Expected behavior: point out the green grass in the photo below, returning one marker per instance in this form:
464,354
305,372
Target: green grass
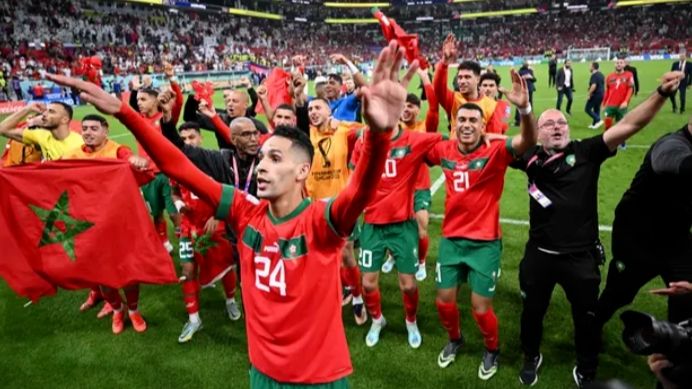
52,345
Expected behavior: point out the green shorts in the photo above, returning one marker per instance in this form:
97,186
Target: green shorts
400,239
157,195
461,260
357,230
422,199
259,380
614,112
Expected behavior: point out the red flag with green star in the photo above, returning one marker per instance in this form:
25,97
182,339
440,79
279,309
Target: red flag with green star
74,224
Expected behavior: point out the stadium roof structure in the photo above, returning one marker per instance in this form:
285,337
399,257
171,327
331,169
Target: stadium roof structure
358,12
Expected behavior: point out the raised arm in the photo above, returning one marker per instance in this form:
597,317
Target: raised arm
263,96
358,77
219,126
8,127
383,103
432,117
166,156
135,83
445,97
519,96
169,72
641,115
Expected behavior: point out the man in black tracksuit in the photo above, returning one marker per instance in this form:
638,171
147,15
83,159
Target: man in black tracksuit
563,246
651,230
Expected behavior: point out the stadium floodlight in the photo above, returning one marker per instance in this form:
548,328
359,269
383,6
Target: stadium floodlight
519,11
159,2
646,2
465,1
350,21
254,14
356,5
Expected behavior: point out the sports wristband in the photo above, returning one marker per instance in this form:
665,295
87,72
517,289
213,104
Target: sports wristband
524,111
353,68
665,94
179,204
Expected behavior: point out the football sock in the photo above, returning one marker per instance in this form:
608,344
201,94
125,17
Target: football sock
411,305
373,303
487,323
191,296
449,316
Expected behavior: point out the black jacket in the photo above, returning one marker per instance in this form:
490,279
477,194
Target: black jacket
560,79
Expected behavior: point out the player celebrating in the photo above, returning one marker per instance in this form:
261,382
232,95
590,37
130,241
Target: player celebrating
97,145
390,227
470,248
619,90
329,175
291,247
468,75
489,87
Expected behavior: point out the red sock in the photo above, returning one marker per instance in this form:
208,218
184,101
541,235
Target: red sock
132,296
229,282
162,229
487,323
608,123
373,303
449,316
423,249
354,280
112,297
411,305
191,296
345,280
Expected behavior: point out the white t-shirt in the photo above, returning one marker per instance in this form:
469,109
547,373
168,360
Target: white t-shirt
568,77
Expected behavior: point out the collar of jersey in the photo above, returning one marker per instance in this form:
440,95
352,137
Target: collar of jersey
401,132
473,150
300,208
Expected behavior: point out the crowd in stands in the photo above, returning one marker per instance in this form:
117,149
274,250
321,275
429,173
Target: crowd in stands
51,35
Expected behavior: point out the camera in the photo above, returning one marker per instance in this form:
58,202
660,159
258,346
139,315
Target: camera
644,335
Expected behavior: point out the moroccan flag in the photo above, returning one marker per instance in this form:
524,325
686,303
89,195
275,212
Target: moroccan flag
74,224
409,42
277,89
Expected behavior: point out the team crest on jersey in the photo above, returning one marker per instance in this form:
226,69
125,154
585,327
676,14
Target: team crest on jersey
570,159
477,164
399,152
294,247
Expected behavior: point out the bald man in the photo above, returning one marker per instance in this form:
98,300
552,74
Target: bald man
563,246
236,104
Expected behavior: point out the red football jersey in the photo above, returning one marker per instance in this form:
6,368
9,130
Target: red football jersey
197,212
474,185
423,179
393,201
619,88
291,288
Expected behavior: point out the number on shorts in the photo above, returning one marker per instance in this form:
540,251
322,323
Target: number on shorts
366,258
461,181
438,273
277,278
390,168
185,250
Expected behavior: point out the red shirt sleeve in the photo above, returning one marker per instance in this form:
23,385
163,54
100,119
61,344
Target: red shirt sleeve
362,185
169,158
444,96
178,106
143,177
432,118
221,128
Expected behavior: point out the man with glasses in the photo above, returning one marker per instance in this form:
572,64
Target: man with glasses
563,246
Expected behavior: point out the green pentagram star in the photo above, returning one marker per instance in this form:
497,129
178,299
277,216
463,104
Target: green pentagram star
59,217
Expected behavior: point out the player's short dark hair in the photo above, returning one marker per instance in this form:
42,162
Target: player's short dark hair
491,76
413,99
335,77
320,99
150,91
595,65
96,118
189,126
299,139
473,66
287,107
67,107
473,107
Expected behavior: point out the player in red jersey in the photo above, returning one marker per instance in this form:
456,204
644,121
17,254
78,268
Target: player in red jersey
422,198
489,87
470,248
390,227
290,247
467,79
619,90
206,255
157,193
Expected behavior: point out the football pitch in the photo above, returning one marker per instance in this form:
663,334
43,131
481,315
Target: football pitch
52,345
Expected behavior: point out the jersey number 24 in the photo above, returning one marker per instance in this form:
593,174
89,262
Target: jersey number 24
267,278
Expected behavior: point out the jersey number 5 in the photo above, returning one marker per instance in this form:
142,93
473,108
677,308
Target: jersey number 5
277,278
461,181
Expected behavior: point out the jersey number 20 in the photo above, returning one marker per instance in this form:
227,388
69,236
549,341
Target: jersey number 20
277,278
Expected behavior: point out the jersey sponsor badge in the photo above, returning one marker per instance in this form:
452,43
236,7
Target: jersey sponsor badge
537,195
